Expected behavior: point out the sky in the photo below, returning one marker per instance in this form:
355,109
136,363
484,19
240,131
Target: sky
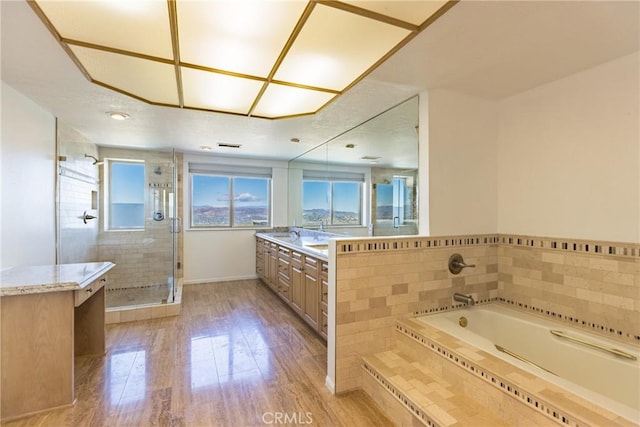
345,196
127,182
214,191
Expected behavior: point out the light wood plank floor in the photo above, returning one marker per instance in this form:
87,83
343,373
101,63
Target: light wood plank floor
236,357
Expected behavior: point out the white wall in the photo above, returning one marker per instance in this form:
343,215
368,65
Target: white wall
217,255
462,161
28,182
569,156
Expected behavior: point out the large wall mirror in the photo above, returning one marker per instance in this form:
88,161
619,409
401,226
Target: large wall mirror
363,181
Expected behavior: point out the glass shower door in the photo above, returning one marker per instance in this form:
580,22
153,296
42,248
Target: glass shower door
93,192
395,207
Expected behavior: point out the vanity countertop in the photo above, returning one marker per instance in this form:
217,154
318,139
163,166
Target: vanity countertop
313,246
50,278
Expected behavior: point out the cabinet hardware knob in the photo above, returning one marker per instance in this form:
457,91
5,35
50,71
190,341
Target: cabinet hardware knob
89,290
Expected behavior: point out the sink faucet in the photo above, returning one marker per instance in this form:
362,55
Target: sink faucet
295,232
321,225
467,299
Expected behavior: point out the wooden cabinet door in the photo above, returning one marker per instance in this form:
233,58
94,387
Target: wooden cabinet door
273,267
296,290
311,291
324,298
260,257
284,272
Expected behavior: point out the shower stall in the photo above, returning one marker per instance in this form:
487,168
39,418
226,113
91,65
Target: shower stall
120,205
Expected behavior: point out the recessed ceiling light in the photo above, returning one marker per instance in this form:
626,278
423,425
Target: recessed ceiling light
205,148
116,115
295,140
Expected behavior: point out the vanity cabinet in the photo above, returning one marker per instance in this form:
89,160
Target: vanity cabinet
298,278
50,315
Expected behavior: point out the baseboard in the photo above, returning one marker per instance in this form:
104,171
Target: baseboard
328,382
219,279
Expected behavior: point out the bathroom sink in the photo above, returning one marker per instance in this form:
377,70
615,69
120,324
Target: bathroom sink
318,246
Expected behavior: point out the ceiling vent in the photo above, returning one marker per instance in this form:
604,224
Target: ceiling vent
226,145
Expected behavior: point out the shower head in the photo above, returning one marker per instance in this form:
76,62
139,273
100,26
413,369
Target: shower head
95,161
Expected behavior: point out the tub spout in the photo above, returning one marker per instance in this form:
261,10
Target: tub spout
467,299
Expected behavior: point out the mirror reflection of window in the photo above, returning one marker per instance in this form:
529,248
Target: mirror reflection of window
384,151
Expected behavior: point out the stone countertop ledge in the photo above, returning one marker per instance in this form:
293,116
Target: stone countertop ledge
50,278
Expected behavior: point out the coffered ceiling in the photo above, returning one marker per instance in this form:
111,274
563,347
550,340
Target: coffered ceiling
488,49
269,59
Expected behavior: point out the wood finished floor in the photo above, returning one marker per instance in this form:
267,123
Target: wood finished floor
237,356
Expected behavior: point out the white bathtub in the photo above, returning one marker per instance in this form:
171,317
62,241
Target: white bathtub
607,380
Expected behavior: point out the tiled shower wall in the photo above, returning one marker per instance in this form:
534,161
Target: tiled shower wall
142,257
78,192
593,285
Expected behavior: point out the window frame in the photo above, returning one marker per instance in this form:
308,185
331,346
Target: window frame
332,211
225,172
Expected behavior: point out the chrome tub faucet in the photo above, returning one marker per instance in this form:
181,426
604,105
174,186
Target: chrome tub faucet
467,299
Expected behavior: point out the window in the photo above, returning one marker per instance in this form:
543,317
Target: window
332,201
126,195
230,196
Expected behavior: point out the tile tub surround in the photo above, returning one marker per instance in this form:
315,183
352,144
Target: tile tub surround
381,280
591,284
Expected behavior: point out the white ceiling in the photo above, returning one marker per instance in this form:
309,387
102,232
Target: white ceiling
486,49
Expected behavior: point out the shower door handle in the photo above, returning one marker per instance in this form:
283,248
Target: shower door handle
175,225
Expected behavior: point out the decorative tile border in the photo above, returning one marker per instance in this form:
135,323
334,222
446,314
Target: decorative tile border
409,243
539,311
571,319
591,247
434,310
400,396
109,289
489,377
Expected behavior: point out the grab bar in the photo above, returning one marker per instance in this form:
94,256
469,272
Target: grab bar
522,359
593,345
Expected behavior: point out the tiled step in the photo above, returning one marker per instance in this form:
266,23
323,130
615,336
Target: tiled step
428,397
510,392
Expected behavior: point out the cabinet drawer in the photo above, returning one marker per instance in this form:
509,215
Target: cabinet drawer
81,295
283,252
311,262
283,267
324,269
296,256
324,297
